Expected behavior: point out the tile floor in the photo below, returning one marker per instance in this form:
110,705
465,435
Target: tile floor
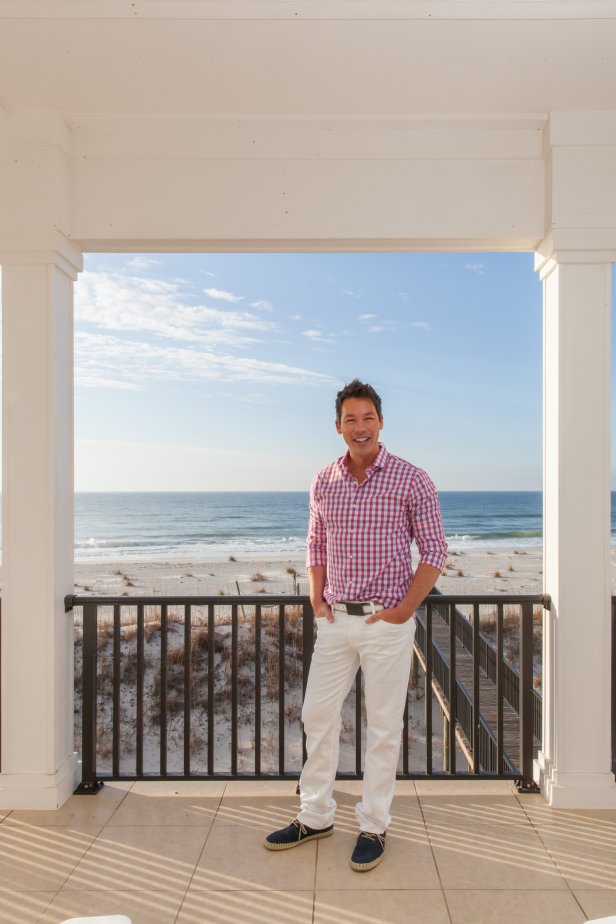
191,853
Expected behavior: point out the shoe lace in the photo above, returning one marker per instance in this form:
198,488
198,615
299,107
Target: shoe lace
300,827
374,837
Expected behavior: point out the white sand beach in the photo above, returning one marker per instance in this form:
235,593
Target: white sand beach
506,571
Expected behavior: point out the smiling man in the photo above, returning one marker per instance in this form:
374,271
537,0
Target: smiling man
365,510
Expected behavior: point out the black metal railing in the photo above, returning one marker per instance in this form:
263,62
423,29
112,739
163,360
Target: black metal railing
614,685
472,677
211,687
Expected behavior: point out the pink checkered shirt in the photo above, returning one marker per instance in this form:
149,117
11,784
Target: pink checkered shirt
362,533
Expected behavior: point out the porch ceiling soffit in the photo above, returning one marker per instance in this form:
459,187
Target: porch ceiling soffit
328,67
294,137
306,138
309,9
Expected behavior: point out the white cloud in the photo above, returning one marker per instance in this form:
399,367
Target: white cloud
141,264
207,273
366,317
478,268
120,302
262,305
316,336
404,296
296,317
224,296
375,329
352,293
423,325
132,331
103,359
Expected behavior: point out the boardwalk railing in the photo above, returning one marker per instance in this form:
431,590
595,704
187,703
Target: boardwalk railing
471,676
212,687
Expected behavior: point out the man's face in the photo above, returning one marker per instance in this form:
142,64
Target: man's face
359,426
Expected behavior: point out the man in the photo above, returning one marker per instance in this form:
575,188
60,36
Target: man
365,509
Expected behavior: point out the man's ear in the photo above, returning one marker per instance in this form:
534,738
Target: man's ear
338,427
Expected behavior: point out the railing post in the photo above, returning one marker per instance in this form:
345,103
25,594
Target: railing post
526,784
89,785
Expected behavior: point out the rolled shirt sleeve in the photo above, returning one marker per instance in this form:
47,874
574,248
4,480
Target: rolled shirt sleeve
316,542
426,522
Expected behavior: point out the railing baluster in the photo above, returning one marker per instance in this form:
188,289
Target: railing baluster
358,723
211,730
500,744
428,691
258,625
452,690
187,686
115,737
405,738
163,689
476,705
281,691
140,677
307,649
234,729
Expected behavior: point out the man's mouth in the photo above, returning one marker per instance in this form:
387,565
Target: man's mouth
362,439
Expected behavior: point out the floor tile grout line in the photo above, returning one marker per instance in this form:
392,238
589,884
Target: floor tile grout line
438,872
207,836
550,854
48,906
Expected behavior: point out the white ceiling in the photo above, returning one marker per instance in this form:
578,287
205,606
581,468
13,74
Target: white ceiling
58,57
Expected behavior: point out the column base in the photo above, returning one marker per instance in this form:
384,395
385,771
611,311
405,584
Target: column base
39,790
579,790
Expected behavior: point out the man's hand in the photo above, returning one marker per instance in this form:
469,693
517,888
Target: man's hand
322,610
395,614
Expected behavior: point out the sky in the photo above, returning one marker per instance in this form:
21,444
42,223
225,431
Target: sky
219,371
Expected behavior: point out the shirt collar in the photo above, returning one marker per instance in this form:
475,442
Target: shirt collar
379,462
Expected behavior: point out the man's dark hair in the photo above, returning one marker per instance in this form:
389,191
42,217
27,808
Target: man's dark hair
357,389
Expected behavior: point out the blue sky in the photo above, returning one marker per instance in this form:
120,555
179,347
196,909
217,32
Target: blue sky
219,371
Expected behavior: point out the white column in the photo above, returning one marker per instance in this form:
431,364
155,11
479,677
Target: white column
38,764
574,765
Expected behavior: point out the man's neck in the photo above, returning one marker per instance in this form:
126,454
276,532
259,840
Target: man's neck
359,467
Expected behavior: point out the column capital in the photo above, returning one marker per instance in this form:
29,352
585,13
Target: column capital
48,247
575,245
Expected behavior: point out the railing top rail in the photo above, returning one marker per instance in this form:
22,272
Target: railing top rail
72,600
544,599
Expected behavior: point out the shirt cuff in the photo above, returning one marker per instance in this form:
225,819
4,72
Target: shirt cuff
316,558
434,557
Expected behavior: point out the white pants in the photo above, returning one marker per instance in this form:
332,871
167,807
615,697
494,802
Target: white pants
383,650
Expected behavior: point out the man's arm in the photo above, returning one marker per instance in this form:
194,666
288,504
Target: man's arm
426,526
424,580
316,557
316,580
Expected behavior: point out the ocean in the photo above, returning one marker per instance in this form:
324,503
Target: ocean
213,525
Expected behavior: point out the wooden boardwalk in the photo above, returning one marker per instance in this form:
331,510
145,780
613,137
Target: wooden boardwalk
488,695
